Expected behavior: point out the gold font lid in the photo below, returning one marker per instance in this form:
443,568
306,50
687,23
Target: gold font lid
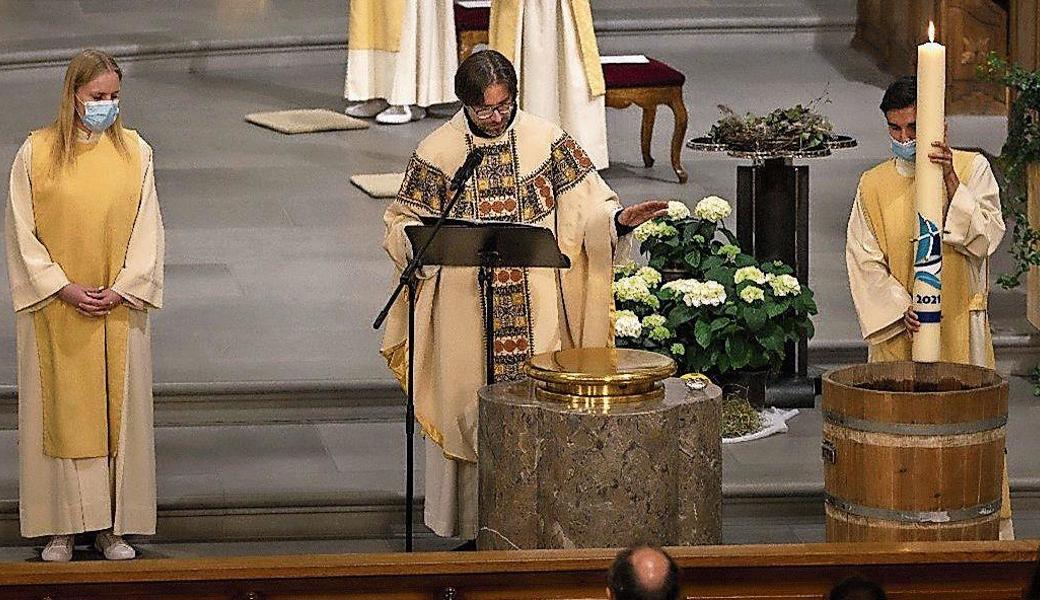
600,371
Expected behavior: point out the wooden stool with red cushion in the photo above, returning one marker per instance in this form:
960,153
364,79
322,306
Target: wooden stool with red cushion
647,85
650,85
471,29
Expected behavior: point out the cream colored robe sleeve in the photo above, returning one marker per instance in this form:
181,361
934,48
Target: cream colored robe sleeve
33,276
587,235
879,297
140,281
397,218
974,224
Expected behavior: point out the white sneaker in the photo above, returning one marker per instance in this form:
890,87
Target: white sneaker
113,546
399,115
366,109
58,549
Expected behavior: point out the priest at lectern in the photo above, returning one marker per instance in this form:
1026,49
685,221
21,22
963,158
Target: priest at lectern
533,173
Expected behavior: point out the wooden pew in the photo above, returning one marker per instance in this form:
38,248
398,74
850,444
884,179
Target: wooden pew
936,571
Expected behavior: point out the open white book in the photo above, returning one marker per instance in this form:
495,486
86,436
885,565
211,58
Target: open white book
624,59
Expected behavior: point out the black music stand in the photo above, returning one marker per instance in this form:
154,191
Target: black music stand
487,246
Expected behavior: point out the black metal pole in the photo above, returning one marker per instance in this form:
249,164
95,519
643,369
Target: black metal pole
409,424
487,284
409,273
409,278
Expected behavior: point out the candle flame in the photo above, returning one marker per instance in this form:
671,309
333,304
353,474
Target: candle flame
931,31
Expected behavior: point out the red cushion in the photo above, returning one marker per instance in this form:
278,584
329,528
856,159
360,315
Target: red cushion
472,19
652,74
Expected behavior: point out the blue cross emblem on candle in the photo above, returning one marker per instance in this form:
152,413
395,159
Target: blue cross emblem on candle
928,261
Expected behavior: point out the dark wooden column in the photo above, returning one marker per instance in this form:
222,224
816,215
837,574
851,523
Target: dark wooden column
773,224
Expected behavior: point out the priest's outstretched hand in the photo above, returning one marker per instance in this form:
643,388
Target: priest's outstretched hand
637,214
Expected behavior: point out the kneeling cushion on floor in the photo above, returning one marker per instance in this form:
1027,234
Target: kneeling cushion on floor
379,185
309,120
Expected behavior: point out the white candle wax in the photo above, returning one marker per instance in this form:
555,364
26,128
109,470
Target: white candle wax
930,196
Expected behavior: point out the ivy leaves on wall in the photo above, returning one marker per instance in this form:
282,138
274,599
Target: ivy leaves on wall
1021,148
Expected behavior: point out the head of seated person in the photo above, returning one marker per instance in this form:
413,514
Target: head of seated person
643,573
857,588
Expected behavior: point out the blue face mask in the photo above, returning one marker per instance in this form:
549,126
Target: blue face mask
905,150
99,115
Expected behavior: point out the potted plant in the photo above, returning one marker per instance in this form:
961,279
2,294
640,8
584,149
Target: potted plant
800,128
726,314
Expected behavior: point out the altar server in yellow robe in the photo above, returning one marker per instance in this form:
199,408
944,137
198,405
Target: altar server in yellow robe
85,262
401,57
553,45
533,172
880,256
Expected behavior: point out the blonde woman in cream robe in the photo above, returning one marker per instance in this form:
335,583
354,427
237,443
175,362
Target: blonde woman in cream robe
85,253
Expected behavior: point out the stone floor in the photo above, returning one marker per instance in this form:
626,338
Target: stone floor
274,267
772,487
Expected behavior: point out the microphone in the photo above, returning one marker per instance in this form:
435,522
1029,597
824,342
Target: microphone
466,170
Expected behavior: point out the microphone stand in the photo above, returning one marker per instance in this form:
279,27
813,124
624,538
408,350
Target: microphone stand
410,279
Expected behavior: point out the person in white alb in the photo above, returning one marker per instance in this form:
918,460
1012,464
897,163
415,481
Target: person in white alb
401,58
553,47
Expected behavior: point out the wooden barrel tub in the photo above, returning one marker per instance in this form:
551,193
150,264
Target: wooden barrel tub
913,452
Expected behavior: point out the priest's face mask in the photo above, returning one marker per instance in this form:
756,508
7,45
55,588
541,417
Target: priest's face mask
494,116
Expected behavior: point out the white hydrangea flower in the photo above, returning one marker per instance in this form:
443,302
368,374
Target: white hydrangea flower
697,293
634,289
681,286
712,208
729,250
625,269
677,210
678,349
660,334
654,229
750,274
650,275
752,294
785,285
654,320
631,288
712,293
626,324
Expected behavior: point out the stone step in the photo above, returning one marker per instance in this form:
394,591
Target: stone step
346,481
258,403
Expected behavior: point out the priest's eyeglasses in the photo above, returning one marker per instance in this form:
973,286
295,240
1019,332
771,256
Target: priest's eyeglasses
485,112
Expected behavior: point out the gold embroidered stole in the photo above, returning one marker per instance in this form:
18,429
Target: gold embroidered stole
375,25
84,217
493,195
506,16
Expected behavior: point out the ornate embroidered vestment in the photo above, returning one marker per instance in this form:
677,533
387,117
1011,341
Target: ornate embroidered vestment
534,174
498,192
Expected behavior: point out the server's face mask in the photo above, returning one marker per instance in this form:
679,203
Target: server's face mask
905,150
98,115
